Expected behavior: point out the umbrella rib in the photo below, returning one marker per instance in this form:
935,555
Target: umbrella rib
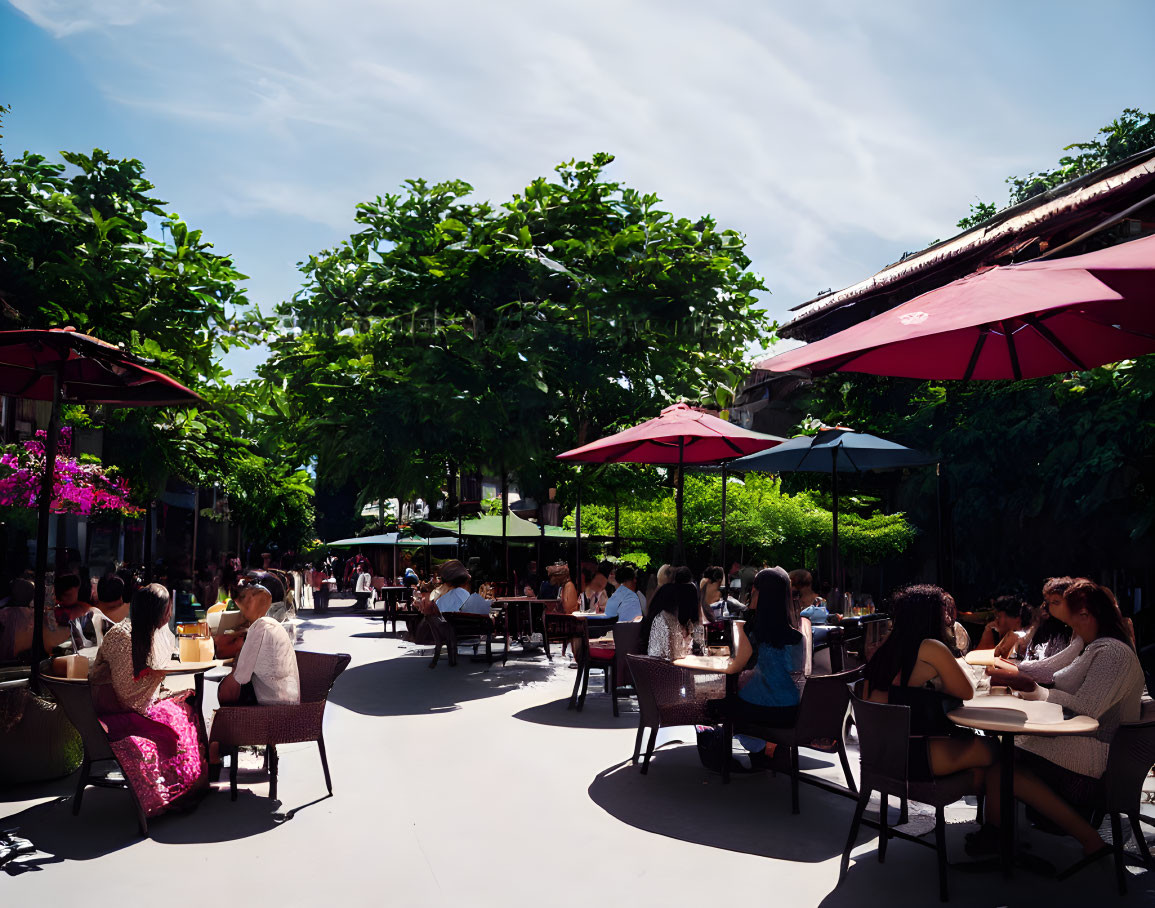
1049,336
983,332
1016,371
733,447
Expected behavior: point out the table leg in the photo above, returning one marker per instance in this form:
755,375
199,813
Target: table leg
1007,802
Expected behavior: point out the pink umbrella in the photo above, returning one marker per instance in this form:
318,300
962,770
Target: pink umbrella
1014,321
680,435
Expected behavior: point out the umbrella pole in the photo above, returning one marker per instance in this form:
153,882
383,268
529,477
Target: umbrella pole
835,566
504,511
681,554
578,529
723,558
617,527
44,509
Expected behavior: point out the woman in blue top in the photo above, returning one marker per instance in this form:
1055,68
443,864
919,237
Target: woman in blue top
770,697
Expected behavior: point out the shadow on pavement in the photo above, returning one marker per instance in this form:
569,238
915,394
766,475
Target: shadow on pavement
406,686
107,823
597,713
680,799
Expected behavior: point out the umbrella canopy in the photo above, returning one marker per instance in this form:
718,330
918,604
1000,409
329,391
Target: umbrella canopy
63,366
393,539
834,451
680,435
489,526
90,371
838,449
1010,322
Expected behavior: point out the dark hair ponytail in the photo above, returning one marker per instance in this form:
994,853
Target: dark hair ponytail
147,611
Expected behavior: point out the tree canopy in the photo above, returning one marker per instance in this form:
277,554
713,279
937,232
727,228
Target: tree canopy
452,332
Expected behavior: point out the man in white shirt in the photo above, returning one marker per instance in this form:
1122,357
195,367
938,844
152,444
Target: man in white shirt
363,588
625,604
266,670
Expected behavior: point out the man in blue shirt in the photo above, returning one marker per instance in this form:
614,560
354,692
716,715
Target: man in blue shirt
625,604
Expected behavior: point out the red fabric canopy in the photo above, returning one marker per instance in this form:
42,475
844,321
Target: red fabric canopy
1015,321
91,371
680,435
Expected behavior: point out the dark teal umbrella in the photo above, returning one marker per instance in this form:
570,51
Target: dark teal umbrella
833,451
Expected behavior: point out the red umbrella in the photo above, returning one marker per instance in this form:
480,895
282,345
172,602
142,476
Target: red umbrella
680,435
1013,321
63,366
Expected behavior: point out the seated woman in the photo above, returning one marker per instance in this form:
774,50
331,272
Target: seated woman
156,739
715,604
1012,618
771,695
567,594
957,638
1098,675
915,667
672,627
593,597
1047,635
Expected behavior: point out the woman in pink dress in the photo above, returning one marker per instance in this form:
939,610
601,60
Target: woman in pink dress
156,739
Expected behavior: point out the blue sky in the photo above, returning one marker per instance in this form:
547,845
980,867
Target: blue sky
836,136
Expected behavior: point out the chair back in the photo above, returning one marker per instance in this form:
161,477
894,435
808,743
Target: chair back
822,709
1129,760
873,634
567,627
627,642
667,694
883,742
75,698
318,673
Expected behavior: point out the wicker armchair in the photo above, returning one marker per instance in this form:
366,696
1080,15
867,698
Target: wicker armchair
75,698
268,726
668,695
821,724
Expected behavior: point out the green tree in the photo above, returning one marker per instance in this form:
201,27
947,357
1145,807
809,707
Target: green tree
78,247
450,331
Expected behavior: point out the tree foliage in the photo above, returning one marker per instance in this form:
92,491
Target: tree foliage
762,521
84,242
451,331
1133,131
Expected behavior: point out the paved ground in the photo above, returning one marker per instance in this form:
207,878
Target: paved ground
475,786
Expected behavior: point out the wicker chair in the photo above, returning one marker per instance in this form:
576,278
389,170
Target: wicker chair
483,627
627,639
1129,760
821,719
668,695
75,698
884,743
268,726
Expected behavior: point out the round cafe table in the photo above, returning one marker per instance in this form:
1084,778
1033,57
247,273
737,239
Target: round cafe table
1007,716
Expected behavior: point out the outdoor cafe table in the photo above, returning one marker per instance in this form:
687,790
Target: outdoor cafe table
1008,716
519,613
392,596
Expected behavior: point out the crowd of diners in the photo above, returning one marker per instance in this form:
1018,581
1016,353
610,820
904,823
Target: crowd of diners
1075,648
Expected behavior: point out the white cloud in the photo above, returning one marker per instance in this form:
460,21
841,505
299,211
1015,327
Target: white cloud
824,131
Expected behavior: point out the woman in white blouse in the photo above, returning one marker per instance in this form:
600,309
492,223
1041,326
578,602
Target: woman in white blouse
1098,675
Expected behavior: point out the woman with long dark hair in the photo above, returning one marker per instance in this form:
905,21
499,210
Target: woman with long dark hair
771,694
156,739
916,667
1099,676
672,626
